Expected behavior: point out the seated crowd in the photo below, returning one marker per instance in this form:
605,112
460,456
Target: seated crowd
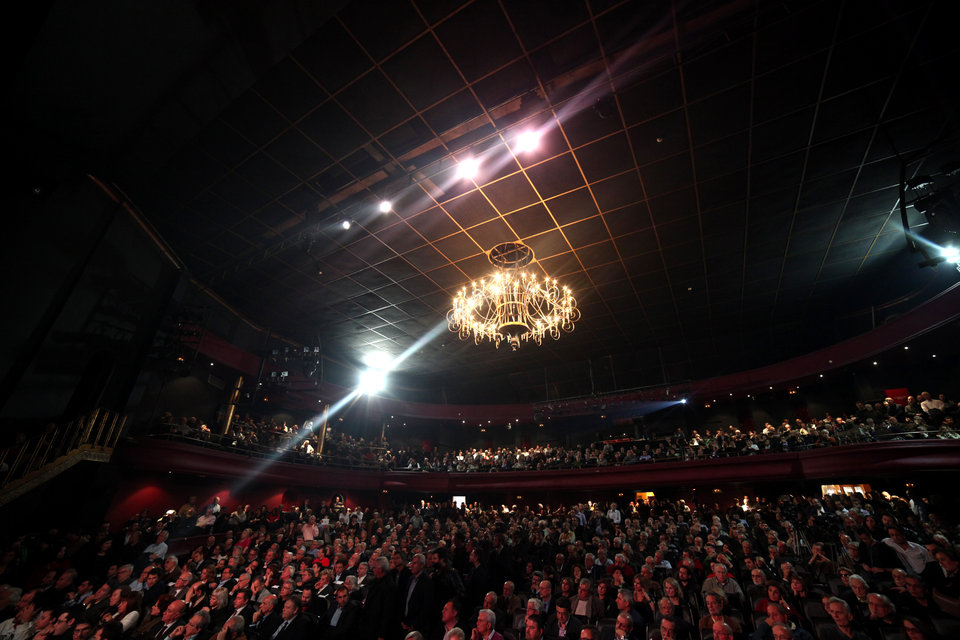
865,567
922,417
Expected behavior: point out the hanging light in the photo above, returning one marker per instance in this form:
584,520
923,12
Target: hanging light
511,305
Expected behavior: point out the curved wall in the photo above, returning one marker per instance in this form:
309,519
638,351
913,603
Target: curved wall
161,474
301,393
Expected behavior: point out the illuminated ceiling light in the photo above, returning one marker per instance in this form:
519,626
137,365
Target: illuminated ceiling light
346,224
468,168
372,381
511,305
526,141
951,254
385,206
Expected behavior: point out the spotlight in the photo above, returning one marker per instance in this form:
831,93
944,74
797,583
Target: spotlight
378,360
683,401
950,254
345,225
468,168
372,381
527,141
385,206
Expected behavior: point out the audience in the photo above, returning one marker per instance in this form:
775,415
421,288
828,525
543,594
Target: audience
676,570
867,423
866,566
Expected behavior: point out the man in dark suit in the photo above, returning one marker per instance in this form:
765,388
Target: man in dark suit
545,589
312,604
562,624
242,607
449,618
169,620
624,629
416,597
340,621
181,585
294,625
380,606
476,584
265,619
154,588
194,629
227,581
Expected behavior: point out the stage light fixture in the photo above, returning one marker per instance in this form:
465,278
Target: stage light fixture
372,381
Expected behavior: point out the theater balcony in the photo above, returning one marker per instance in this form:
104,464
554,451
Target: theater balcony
155,470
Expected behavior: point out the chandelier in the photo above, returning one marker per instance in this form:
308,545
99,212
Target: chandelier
511,305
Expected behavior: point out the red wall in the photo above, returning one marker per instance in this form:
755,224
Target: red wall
159,492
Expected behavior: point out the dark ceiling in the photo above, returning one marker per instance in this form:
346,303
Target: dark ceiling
717,180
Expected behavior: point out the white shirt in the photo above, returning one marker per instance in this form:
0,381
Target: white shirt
915,557
18,632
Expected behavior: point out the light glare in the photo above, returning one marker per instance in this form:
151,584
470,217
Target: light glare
378,360
385,206
345,224
372,381
468,168
527,141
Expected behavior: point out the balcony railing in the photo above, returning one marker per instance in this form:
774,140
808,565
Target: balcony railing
34,460
368,457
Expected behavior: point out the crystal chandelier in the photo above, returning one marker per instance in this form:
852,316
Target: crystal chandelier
511,305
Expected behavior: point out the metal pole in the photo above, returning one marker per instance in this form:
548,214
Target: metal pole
33,456
323,430
93,419
231,409
123,423
113,424
103,422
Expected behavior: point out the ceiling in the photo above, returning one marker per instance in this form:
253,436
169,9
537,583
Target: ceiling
717,181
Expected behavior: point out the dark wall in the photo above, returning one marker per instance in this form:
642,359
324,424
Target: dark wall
89,288
80,496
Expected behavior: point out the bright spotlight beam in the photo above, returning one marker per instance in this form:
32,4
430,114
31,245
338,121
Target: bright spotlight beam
340,406
372,381
268,462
